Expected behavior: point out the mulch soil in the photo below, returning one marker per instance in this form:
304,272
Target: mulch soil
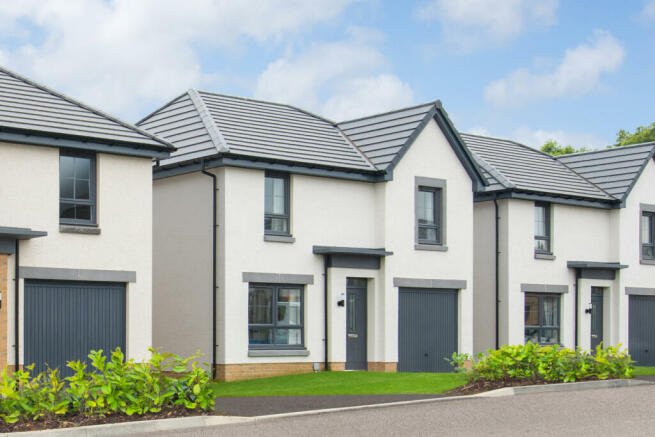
68,421
483,385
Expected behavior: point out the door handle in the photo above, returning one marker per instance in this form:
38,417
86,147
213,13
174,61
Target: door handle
594,336
353,336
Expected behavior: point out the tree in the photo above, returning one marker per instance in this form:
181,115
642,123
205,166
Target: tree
641,135
552,147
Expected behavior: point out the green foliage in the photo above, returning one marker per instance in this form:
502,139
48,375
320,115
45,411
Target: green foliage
554,148
536,363
642,134
108,387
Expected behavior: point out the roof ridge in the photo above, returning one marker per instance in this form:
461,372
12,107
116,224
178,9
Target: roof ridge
126,125
432,102
609,149
210,125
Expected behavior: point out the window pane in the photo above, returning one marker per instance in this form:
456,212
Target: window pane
82,168
531,311
260,335
66,188
276,224
83,212
288,336
549,336
540,221
532,335
67,210
429,234
66,167
550,315
352,313
356,282
648,251
260,305
275,196
288,307
426,207
82,189
646,229
541,245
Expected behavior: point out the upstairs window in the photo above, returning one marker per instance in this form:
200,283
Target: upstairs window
77,189
276,211
542,228
428,211
648,235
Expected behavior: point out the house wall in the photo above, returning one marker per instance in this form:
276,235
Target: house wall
484,277
29,191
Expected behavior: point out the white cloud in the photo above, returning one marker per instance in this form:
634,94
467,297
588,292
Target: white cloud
648,12
467,24
340,80
578,73
125,55
537,138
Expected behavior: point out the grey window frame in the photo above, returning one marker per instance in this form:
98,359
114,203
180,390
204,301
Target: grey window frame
287,204
548,238
274,325
437,186
92,202
541,325
647,211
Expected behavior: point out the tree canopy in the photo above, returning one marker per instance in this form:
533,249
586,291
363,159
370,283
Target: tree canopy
552,147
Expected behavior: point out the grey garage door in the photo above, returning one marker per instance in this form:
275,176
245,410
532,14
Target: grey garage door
642,329
427,329
66,320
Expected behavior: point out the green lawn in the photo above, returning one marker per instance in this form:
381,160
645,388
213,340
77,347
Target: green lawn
641,370
342,383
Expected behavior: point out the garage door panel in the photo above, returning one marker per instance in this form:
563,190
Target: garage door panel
65,320
427,327
642,330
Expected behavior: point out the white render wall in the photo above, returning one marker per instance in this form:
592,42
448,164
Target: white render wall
29,191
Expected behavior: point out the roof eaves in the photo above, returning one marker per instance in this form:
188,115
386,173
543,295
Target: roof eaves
210,125
164,144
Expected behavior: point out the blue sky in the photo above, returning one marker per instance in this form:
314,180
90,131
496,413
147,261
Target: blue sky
573,71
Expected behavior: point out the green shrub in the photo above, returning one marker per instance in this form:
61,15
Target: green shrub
106,387
536,363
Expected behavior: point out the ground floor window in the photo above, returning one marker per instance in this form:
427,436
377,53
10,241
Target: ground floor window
542,318
275,316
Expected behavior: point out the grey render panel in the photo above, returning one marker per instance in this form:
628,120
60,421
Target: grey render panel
58,274
641,329
643,291
354,261
615,170
420,181
595,265
544,288
337,250
203,125
508,165
598,274
20,233
26,106
65,320
277,278
7,246
430,283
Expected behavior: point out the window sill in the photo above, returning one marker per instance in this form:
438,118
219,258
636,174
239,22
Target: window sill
278,353
650,262
79,229
432,247
548,256
279,238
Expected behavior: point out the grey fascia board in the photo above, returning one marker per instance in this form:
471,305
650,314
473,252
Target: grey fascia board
254,163
483,196
278,353
329,250
60,274
642,291
595,265
277,278
279,238
20,233
458,284
544,288
42,139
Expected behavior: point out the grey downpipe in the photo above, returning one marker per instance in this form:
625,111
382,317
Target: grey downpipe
325,316
16,322
497,260
213,176
578,274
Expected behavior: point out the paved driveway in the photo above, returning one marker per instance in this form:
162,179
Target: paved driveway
628,411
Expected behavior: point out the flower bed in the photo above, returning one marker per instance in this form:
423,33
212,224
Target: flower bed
530,364
111,390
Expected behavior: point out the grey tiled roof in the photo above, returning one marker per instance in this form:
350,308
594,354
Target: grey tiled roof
510,165
614,170
382,136
28,107
203,124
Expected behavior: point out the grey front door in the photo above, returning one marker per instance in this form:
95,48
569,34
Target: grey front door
65,320
427,329
356,324
641,330
596,317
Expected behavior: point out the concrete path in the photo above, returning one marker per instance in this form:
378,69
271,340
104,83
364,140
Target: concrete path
265,405
625,411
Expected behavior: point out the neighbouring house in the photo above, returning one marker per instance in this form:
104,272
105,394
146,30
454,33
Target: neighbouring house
75,229
284,242
564,247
